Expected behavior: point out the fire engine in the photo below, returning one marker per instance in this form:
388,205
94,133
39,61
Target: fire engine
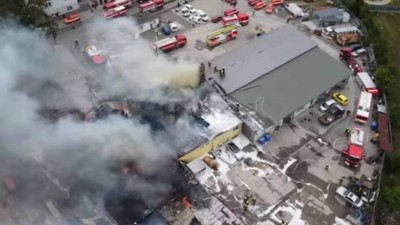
151,6
115,12
115,3
353,153
94,54
241,18
221,36
169,44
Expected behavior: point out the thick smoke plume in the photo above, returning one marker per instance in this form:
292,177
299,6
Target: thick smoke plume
79,154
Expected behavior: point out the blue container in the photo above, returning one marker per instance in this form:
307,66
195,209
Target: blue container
374,125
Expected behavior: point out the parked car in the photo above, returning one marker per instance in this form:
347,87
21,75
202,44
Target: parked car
233,2
185,12
195,19
193,11
203,15
173,27
252,2
216,19
327,105
332,115
349,197
232,147
340,98
72,18
355,47
165,29
359,52
189,7
270,8
259,5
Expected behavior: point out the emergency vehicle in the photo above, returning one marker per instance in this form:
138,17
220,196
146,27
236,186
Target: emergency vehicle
364,107
277,2
353,153
94,54
221,36
151,6
115,12
115,3
241,18
169,44
230,12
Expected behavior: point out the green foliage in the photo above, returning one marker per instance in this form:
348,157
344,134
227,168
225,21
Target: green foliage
392,197
384,78
29,13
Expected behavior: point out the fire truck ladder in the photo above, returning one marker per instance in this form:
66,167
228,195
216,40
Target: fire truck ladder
222,31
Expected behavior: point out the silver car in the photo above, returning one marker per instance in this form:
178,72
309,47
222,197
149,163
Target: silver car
349,197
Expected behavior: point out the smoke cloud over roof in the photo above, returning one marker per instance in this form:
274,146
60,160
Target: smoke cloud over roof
75,155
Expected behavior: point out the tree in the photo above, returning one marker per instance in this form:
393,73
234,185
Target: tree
392,196
384,78
29,13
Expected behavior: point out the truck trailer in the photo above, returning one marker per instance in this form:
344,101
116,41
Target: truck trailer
169,44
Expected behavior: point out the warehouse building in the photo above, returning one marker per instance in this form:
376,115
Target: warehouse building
279,75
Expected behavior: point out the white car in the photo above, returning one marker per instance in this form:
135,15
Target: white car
188,6
185,12
195,19
349,197
203,15
359,52
173,27
327,105
193,11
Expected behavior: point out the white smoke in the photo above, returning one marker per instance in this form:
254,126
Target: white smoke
32,77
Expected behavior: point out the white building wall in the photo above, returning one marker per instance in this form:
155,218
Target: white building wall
61,7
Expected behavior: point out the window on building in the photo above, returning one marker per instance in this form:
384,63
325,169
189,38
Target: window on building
237,127
69,8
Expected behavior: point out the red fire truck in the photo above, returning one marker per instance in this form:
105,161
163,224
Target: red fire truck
353,153
241,18
169,44
115,12
10,183
151,6
115,3
221,36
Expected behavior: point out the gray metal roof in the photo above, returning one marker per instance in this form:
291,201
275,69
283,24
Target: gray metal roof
328,12
261,56
293,85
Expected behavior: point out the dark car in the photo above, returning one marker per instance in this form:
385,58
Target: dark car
355,47
231,1
232,147
332,115
216,19
166,30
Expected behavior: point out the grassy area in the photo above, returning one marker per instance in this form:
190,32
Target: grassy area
390,26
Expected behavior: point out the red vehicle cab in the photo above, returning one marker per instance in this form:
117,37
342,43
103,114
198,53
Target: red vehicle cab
259,5
253,2
216,19
94,54
270,8
230,12
72,18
